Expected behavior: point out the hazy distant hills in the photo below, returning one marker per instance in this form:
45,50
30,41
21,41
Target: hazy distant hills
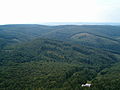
100,36
82,23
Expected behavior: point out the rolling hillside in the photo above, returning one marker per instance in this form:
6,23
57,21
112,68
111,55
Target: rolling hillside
97,41
49,64
107,34
38,57
47,49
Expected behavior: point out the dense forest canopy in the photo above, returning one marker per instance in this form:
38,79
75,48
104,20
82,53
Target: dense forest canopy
38,57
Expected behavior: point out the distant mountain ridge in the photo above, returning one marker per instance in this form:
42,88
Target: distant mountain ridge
20,33
81,23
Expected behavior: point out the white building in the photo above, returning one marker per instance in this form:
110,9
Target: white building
86,85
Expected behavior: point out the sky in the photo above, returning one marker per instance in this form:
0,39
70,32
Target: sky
42,11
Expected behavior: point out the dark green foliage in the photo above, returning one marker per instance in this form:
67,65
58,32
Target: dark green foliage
44,64
108,79
52,50
34,75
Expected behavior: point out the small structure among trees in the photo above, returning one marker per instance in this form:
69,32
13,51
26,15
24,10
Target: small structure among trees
86,85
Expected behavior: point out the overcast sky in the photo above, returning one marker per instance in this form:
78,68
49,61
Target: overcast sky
41,11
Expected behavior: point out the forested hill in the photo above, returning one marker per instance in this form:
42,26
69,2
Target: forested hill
99,36
39,57
51,65
53,50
